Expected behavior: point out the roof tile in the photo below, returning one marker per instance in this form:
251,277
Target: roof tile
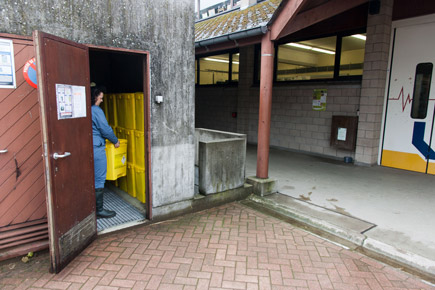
238,20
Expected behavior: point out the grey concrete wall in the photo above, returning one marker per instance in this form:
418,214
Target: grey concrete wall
213,108
166,29
294,124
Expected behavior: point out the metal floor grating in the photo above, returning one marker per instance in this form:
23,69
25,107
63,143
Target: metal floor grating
124,211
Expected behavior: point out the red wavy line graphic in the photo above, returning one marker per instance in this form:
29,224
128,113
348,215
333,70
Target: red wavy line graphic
405,101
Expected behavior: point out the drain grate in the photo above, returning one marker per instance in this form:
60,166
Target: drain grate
124,211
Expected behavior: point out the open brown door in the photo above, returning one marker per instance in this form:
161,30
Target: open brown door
64,96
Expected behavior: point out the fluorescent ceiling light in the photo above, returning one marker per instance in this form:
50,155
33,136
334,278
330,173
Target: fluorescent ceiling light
307,47
360,36
220,60
299,45
216,60
323,50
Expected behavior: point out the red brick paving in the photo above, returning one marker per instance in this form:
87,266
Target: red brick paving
229,247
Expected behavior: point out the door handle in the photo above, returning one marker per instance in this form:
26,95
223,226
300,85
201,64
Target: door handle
3,151
57,156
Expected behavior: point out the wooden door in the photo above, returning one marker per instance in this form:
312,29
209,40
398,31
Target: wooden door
64,96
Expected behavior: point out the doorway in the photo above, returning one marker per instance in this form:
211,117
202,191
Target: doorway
122,74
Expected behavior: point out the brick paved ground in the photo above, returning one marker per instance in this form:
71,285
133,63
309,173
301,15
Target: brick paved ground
229,247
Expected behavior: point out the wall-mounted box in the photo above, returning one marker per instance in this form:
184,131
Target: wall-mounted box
343,132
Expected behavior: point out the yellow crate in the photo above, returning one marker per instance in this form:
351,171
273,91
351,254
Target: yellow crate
111,113
105,107
131,180
139,150
122,183
140,183
125,111
116,160
129,135
138,100
120,133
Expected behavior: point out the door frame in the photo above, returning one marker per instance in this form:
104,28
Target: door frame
147,115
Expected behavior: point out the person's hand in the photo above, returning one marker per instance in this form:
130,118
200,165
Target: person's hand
117,144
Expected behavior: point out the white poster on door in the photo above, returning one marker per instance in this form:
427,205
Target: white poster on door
71,101
7,64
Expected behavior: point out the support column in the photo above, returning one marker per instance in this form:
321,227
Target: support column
266,86
262,184
373,84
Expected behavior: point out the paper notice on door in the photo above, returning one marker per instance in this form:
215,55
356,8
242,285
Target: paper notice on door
71,101
7,64
341,134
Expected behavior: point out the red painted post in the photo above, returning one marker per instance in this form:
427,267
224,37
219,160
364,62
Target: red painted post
266,86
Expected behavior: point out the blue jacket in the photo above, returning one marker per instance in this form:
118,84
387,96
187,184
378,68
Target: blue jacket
100,128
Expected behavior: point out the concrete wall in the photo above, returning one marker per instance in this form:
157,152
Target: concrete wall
214,107
166,29
294,124
221,159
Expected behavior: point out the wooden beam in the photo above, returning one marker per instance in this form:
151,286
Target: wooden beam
287,13
318,14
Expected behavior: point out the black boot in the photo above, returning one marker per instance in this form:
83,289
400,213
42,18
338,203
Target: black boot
101,212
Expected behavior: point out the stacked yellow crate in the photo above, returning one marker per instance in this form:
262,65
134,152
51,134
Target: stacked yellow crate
125,113
139,153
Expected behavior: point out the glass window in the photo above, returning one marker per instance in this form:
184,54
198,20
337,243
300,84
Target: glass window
214,69
306,60
235,67
420,97
352,55
196,71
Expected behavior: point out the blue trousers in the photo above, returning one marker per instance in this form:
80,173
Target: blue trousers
100,166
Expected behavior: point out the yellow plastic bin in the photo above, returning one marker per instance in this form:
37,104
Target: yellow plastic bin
126,111
122,183
139,150
116,160
120,133
131,180
138,100
131,147
140,183
111,113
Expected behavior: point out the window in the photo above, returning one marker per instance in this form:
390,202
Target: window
306,60
420,97
333,57
235,67
217,69
352,55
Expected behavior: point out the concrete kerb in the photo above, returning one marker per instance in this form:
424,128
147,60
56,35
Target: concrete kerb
410,262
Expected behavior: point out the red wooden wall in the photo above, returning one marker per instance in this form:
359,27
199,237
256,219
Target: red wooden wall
23,213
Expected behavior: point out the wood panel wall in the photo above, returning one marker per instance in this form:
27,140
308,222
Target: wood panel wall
23,212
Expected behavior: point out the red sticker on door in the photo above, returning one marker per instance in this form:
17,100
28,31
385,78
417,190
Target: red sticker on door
29,72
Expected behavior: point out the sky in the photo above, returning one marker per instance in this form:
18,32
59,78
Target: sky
207,3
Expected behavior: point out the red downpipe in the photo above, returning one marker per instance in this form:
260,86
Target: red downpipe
266,86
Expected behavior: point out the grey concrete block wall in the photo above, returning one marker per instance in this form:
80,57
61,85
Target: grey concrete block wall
164,28
223,100
373,84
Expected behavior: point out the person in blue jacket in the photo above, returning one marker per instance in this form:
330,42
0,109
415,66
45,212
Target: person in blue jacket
100,131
